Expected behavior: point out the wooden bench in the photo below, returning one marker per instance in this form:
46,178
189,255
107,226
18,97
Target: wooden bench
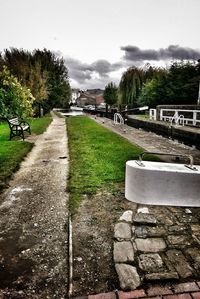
17,127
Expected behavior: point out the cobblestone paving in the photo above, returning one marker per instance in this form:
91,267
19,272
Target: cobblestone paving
157,244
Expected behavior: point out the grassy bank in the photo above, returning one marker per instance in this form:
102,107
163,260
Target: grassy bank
97,158
12,152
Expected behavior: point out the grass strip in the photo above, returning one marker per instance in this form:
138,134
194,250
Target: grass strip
11,154
97,158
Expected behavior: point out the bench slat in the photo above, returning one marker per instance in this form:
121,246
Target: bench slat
17,128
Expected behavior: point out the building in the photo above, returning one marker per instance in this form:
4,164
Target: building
75,95
89,98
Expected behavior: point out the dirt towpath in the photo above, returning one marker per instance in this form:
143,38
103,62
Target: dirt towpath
33,221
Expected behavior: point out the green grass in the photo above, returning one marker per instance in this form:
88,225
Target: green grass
142,116
12,152
97,158
38,126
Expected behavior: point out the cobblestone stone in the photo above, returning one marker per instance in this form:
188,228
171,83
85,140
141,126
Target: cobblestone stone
146,231
194,253
177,240
123,252
141,218
150,244
180,264
128,276
178,229
122,231
127,216
150,262
162,276
187,218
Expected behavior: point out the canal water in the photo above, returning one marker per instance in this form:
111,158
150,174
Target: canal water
71,112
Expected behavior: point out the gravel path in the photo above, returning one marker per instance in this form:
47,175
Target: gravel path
33,221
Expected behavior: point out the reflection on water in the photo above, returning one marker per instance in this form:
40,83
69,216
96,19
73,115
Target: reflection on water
75,111
72,113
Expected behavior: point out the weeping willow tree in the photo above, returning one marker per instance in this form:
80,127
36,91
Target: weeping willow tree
133,80
130,86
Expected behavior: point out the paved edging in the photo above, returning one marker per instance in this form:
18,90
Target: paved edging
188,290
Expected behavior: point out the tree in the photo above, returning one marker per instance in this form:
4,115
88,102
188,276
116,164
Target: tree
153,93
130,85
44,73
59,91
177,86
111,94
38,85
15,100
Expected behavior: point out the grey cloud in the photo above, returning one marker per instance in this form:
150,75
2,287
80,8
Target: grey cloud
83,71
80,76
133,53
103,67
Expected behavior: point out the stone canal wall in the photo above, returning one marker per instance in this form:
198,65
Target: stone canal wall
187,135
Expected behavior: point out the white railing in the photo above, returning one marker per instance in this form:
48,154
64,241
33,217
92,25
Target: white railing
178,120
118,119
179,116
152,114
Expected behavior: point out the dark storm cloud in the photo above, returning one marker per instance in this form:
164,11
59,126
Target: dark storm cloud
133,53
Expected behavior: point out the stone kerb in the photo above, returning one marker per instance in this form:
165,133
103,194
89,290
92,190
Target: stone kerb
148,247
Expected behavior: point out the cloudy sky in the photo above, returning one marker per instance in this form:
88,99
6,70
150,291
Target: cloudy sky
99,39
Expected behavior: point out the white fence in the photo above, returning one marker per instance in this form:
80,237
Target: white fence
180,117
152,114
